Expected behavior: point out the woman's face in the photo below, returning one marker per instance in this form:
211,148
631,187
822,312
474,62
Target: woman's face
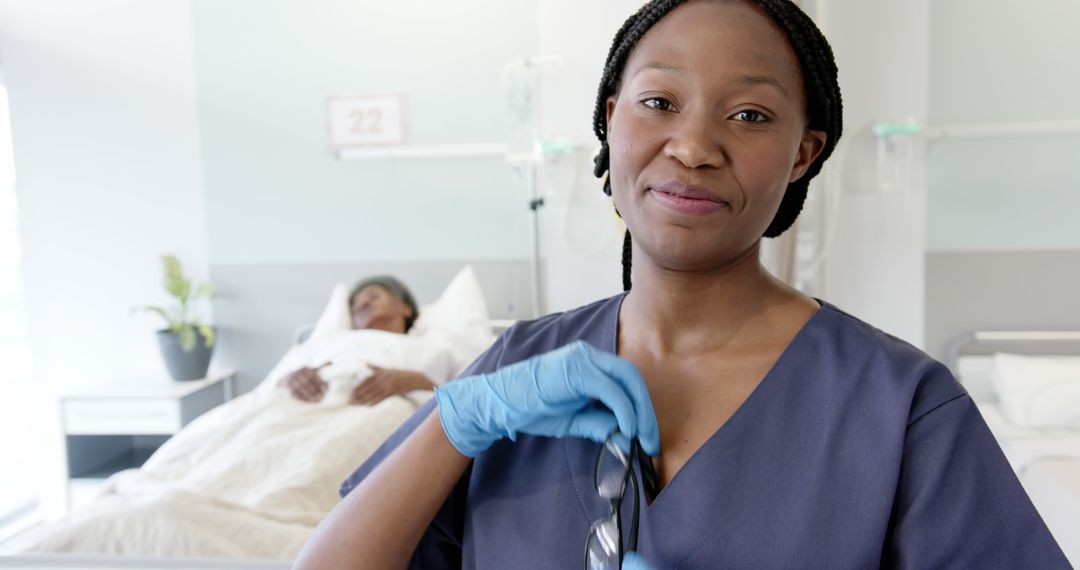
706,132
373,307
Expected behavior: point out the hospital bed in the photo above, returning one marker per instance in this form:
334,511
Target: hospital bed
1032,404
245,484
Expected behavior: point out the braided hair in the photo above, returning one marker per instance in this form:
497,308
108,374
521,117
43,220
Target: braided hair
823,103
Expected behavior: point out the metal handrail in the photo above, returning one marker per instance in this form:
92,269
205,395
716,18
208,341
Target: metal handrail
1028,129
965,340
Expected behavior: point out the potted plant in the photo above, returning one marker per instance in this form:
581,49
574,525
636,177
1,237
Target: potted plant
186,343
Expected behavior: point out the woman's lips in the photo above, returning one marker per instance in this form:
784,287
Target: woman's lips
687,201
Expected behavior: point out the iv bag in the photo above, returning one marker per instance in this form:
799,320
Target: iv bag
521,90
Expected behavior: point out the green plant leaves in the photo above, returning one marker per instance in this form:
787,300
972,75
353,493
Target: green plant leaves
186,334
172,267
186,329
207,333
159,310
205,290
175,282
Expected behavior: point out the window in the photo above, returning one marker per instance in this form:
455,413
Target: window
17,487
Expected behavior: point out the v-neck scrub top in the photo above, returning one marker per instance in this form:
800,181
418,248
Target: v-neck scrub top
855,451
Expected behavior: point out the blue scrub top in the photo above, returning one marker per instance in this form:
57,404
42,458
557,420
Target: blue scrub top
855,451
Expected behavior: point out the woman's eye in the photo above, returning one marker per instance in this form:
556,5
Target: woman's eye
751,116
658,103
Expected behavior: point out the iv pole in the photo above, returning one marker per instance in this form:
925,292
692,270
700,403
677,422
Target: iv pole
521,86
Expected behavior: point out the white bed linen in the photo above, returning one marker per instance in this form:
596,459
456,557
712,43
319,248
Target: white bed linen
253,477
1054,488
1048,465
1038,391
1046,460
1024,446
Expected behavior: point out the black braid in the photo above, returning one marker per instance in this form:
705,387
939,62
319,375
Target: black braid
624,42
627,255
824,107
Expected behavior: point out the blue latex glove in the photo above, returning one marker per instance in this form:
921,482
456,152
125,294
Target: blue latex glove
635,561
553,395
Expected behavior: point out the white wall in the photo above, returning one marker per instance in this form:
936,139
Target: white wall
875,265
980,74
106,145
275,190
581,239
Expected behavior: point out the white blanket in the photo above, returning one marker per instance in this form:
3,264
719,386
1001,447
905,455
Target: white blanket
1039,391
1024,446
252,478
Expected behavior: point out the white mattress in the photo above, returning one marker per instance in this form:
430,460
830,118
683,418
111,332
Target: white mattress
1054,487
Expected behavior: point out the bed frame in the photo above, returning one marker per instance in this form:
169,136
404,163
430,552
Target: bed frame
63,562
1026,342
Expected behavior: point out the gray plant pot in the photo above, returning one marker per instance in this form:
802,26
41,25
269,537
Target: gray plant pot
184,365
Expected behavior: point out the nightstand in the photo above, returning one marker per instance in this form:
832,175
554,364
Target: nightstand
111,427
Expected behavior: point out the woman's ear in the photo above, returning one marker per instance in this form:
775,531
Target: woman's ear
811,145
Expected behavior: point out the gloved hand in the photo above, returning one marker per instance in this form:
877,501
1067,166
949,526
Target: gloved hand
554,395
635,561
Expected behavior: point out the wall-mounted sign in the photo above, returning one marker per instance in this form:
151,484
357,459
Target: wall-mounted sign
366,120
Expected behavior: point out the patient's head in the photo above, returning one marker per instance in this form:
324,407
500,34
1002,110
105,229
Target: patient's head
382,303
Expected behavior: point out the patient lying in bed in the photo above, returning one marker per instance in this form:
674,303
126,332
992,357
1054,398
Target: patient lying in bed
378,303
253,477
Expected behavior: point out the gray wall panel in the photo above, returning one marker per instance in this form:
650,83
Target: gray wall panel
1000,290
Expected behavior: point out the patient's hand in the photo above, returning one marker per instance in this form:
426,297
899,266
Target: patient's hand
305,384
386,382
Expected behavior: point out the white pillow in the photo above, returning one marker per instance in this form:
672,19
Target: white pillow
461,307
335,317
460,317
1039,391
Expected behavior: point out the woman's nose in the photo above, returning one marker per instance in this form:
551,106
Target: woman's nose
696,143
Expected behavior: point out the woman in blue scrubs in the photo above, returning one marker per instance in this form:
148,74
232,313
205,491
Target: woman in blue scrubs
783,433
